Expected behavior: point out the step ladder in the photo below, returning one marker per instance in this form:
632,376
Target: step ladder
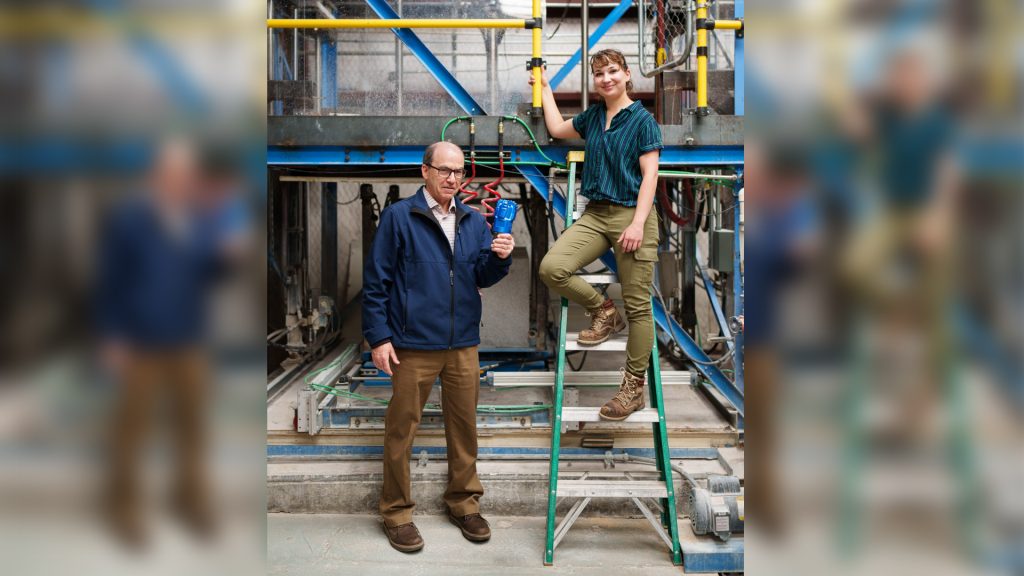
605,484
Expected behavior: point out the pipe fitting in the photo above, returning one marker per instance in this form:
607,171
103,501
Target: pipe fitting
531,23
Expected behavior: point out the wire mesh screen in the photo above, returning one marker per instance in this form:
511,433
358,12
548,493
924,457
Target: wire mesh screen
370,72
663,37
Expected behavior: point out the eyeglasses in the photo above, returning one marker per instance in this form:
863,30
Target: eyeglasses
446,172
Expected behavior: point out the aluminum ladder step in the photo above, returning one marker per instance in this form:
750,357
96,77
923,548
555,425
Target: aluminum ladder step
617,343
588,414
599,279
612,488
584,378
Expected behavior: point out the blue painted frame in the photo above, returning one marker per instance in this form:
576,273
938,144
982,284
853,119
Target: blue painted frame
430,62
328,73
413,155
716,306
738,280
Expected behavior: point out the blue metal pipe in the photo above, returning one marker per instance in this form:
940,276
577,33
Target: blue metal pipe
737,277
413,155
723,324
430,62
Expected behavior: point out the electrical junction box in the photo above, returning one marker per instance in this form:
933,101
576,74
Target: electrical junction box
720,248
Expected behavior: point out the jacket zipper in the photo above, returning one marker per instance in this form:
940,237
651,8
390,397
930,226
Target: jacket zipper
451,280
451,276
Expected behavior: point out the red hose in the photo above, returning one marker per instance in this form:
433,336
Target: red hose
490,201
666,206
470,194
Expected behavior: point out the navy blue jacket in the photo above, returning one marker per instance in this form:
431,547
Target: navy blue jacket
416,293
152,287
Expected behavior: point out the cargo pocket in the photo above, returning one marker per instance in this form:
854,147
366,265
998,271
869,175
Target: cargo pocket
643,268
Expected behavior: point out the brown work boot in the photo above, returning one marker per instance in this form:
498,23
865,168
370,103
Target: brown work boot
404,537
605,320
473,526
627,400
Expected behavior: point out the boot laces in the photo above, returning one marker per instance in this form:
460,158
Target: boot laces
599,315
628,388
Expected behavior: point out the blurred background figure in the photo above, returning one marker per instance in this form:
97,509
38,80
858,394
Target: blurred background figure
132,140
160,256
899,261
897,269
897,347
781,240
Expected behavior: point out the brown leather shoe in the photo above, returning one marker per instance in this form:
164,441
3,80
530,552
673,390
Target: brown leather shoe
627,400
404,537
473,526
605,320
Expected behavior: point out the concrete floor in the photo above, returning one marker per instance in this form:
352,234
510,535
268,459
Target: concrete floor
313,544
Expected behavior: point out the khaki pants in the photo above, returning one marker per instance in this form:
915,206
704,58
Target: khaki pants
918,302
761,373
926,292
183,377
413,379
585,241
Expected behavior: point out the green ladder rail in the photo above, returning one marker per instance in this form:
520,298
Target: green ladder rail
588,485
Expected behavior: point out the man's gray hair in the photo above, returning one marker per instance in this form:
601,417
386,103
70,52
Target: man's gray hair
428,154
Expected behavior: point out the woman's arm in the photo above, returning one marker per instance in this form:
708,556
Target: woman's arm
556,125
633,236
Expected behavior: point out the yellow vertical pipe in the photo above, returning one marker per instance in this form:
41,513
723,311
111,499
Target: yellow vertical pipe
536,54
702,60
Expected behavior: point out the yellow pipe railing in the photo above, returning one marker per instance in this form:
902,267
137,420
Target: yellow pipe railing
702,61
703,26
728,24
399,23
536,68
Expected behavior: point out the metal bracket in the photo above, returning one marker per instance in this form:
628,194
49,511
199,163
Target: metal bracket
654,522
609,460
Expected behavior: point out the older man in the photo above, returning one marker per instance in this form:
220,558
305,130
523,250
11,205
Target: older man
421,317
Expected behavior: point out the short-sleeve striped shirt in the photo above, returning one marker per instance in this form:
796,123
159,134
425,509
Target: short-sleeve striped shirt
611,168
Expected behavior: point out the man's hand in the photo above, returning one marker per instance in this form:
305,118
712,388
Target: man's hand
114,355
502,245
632,237
383,355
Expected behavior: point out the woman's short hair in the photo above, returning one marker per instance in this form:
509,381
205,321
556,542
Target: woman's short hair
610,56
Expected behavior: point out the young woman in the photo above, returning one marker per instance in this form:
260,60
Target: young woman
620,173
